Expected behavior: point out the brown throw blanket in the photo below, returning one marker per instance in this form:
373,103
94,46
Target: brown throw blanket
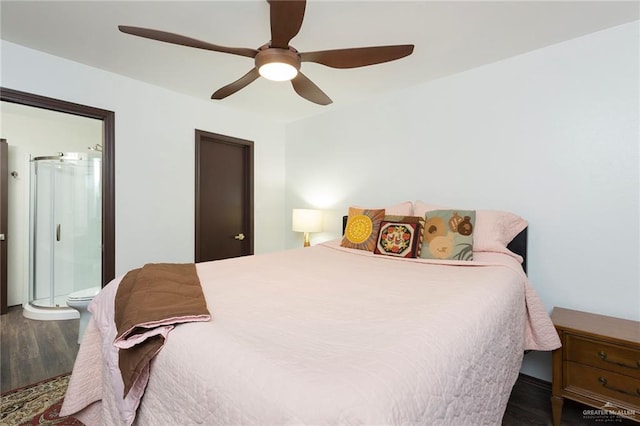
149,302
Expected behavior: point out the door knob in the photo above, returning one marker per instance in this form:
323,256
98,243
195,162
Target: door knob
240,236
2,237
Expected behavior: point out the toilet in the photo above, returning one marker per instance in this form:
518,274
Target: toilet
80,301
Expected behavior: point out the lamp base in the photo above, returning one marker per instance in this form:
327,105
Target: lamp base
307,242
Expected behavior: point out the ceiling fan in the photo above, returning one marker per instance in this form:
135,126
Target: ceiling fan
277,60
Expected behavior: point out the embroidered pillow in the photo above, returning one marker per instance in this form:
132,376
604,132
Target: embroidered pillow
448,234
400,236
494,229
362,228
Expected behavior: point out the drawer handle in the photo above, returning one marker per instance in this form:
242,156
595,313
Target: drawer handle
604,383
603,356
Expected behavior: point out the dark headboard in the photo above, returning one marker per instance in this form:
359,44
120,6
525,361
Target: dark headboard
518,245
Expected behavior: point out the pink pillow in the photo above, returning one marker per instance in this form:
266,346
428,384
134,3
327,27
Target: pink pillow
493,230
402,209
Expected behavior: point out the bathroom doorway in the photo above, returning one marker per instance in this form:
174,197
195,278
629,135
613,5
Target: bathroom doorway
99,145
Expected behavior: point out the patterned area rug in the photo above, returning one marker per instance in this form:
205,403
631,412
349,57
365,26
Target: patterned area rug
37,404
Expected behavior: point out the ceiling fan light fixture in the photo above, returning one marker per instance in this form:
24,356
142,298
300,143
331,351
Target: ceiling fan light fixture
277,64
278,71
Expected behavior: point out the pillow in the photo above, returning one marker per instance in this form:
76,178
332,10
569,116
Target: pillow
494,229
448,234
400,236
362,228
402,209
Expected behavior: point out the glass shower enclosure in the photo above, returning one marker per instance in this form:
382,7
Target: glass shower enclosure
65,227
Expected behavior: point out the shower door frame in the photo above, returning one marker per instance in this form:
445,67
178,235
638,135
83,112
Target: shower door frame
108,165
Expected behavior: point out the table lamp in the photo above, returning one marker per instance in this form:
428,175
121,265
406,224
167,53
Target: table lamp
306,220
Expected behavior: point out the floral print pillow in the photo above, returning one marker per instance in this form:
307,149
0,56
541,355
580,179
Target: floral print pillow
448,234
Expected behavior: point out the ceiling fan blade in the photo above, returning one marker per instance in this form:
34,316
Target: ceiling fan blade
240,83
308,90
286,20
358,56
185,41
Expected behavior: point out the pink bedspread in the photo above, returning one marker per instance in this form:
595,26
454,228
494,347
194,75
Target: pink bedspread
327,335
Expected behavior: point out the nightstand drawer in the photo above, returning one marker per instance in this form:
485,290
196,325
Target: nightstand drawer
603,355
598,381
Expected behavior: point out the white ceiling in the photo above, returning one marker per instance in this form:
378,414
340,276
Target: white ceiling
449,37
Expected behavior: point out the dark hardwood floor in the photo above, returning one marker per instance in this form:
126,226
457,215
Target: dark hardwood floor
31,351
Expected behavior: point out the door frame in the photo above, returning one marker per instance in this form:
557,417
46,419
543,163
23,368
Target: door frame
4,186
108,163
247,147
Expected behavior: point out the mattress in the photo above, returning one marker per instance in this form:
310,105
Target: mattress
328,335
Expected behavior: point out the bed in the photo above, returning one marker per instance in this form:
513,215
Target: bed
330,335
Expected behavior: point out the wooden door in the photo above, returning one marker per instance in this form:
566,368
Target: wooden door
4,176
224,197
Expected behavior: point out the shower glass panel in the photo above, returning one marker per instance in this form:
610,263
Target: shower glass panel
65,227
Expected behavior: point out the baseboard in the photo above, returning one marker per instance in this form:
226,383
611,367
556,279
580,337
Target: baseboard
534,381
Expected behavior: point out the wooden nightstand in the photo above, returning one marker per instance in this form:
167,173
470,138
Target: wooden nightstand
597,365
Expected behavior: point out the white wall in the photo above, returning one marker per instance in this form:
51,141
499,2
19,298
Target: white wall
552,135
154,154
34,132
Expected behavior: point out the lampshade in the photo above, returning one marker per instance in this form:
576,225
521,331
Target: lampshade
306,220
